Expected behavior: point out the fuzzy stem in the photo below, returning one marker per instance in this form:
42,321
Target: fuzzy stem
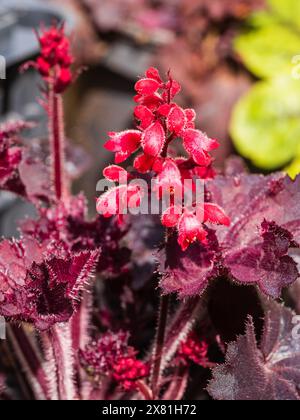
144,390
177,387
189,311
30,362
57,142
81,333
61,340
159,344
49,365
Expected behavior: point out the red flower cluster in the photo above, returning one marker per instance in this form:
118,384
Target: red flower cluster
193,350
160,121
111,356
55,59
128,370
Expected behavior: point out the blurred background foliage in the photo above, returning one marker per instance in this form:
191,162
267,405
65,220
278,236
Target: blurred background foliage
265,125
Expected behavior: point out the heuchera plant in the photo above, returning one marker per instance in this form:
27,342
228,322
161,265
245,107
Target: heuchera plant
80,338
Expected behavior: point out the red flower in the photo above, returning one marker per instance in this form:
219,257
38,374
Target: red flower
197,144
118,200
111,356
55,59
64,79
124,144
215,214
190,223
190,230
153,139
144,115
128,370
160,121
176,120
147,86
115,173
169,179
193,350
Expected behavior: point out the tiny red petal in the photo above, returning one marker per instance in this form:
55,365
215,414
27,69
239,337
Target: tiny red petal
190,230
152,102
205,172
115,173
171,216
190,114
153,73
197,144
173,88
153,139
147,87
133,196
176,120
63,81
43,66
215,214
145,115
144,163
120,157
164,110
124,144
158,164
169,179
109,203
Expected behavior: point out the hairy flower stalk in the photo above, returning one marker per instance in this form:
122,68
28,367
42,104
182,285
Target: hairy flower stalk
60,337
29,358
57,142
54,65
159,345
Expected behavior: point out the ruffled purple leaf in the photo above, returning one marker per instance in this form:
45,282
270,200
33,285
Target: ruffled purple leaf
265,227
188,272
41,283
294,291
267,262
68,222
269,371
255,249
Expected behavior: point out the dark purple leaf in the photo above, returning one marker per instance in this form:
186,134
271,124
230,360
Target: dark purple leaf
40,283
188,272
68,222
255,249
270,371
294,290
265,225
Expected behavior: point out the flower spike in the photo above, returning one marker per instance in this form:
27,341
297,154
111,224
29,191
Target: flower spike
159,122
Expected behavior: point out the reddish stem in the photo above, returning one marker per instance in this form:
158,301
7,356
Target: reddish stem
159,344
57,142
144,390
61,341
30,362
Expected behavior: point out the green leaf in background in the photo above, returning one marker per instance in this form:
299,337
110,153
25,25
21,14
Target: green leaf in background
265,125
294,168
268,51
287,10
